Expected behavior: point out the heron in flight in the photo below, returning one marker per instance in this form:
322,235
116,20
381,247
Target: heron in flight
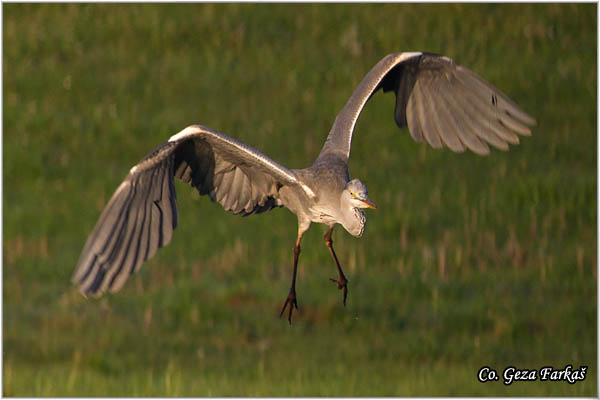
440,101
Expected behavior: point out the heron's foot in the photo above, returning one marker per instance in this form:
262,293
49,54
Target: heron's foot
341,284
291,302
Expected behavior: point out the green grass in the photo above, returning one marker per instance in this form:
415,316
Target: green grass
468,261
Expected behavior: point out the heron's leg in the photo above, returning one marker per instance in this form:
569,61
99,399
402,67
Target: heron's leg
341,280
291,299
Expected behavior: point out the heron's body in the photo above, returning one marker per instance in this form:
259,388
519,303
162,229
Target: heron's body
327,181
439,101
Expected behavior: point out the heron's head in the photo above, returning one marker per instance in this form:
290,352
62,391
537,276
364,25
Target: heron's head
357,194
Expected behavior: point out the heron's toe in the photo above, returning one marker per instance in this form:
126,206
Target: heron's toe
342,283
291,302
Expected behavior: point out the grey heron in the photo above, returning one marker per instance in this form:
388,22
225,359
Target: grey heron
439,101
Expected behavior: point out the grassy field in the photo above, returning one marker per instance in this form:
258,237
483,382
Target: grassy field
467,262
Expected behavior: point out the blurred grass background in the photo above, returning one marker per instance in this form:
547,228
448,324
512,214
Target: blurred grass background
468,261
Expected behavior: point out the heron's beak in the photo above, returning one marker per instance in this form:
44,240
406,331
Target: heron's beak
369,204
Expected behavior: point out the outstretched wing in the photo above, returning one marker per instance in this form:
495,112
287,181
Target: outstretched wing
442,102
142,213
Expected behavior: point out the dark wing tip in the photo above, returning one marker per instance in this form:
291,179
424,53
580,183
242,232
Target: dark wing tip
139,218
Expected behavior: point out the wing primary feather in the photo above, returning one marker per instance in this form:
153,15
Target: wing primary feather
466,131
111,221
97,281
487,87
116,279
141,237
145,239
172,196
89,277
447,128
124,245
236,188
227,187
486,126
155,230
475,117
218,178
153,226
424,108
103,236
161,223
412,120
514,124
95,286
168,206
493,122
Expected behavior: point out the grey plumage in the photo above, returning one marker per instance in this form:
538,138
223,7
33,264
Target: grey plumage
439,101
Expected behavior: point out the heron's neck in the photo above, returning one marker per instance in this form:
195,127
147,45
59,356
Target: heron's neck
354,221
